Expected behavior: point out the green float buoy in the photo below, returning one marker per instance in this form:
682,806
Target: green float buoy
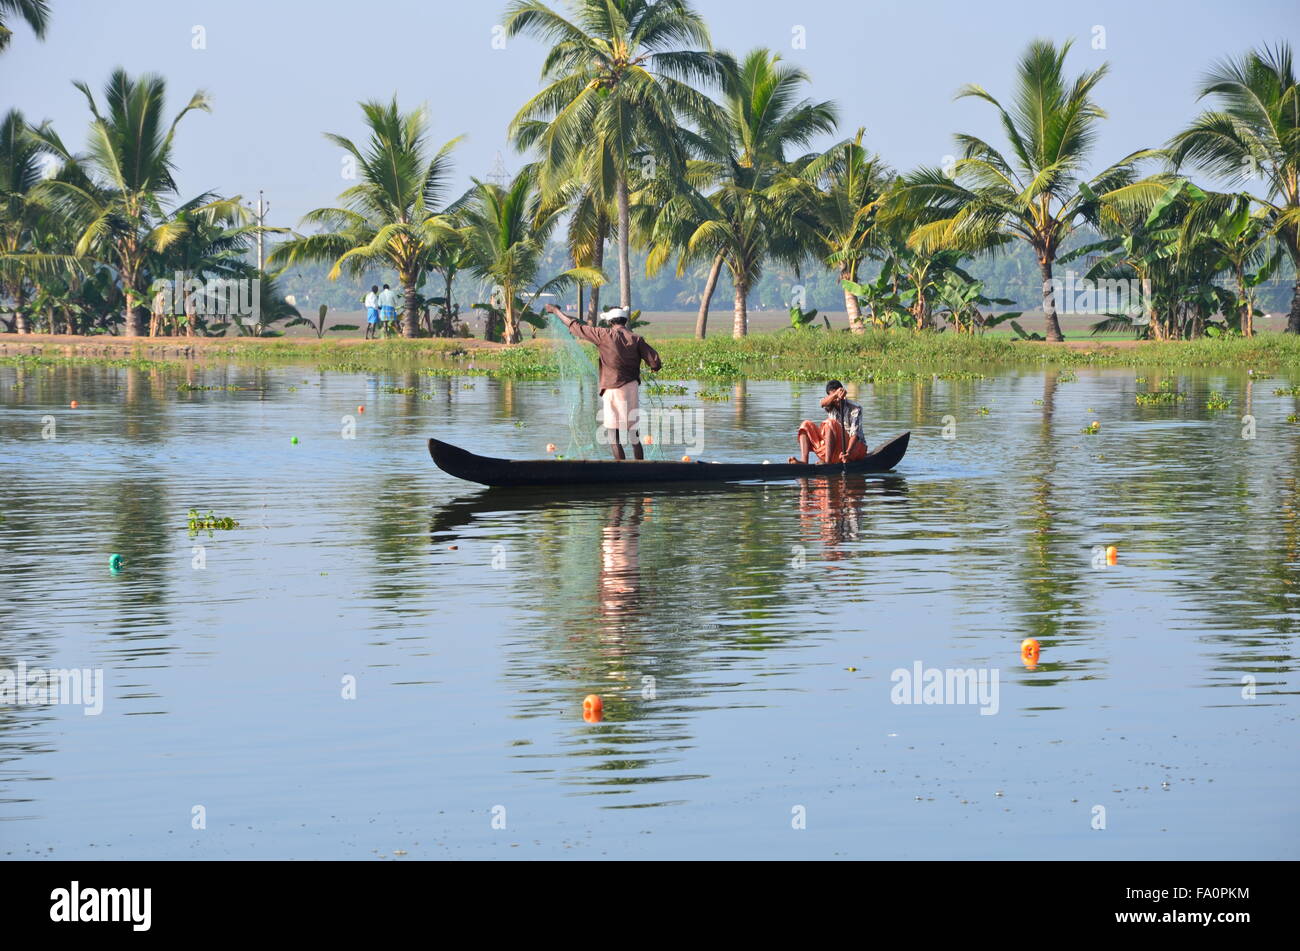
294,440
114,563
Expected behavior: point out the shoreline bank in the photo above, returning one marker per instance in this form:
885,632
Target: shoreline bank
792,356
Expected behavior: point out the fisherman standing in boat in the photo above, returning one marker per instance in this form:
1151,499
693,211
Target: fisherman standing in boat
838,439
621,355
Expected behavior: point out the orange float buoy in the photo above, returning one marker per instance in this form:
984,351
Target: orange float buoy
73,404
686,458
593,708
550,447
1029,649
648,440
361,409
1112,555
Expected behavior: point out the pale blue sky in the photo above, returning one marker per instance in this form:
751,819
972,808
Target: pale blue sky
281,72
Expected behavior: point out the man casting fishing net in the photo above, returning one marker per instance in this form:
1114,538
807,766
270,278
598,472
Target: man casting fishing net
621,355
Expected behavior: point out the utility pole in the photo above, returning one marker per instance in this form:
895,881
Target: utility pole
498,174
262,208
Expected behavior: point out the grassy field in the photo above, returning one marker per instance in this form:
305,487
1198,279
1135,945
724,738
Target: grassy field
810,355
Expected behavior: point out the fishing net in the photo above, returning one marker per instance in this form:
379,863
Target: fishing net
579,386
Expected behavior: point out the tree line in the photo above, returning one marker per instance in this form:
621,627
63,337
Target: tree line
646,141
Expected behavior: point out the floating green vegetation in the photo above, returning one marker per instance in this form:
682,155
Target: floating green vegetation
1293,418
198,388
30,361
1158,398
1164,395
666,389
209,522
983,411
407,391
1068,377
1287,391
713,396
1091,429
1218,401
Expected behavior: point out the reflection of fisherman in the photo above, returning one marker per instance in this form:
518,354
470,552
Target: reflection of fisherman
619,582
621,355
831,507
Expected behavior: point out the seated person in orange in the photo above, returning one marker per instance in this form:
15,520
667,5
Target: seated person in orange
840,437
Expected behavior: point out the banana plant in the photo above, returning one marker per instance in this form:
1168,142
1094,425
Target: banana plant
801,319
961,298
884,306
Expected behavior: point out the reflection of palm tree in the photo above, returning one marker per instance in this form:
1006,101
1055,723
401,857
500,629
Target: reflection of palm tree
1049,579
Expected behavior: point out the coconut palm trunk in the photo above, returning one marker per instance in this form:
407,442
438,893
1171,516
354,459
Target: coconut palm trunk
1247,320
702,320
1293,318
511,334
410,307
624,247
740,326
1049,300
597,262
851,305
20,315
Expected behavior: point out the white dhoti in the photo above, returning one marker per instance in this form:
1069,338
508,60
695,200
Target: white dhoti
622,407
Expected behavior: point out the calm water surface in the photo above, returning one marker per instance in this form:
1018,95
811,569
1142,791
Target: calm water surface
743,637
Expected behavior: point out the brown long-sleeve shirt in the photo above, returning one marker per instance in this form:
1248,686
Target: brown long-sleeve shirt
621,353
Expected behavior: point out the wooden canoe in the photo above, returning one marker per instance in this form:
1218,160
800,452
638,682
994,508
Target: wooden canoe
561,472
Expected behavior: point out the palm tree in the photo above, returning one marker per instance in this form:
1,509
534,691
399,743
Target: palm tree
506,229
617,79
743,150
394,216
1236,234
20,172
1255,133
1036,194
127,174
449,258
35,12
837,197
214,239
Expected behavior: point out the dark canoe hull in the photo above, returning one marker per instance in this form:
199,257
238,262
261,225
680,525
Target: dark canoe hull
563,472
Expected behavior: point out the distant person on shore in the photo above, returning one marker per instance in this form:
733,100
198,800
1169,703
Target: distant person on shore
387,308
158,310
372,311
839,438
621,355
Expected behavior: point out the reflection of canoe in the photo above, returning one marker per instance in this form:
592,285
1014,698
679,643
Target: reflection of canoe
509,472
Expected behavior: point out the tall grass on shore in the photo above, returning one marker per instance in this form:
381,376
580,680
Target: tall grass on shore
782,356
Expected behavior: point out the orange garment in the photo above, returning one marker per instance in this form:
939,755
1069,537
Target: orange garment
828,441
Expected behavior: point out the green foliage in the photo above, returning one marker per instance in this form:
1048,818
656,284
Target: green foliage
208,523
801,319
1164,395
